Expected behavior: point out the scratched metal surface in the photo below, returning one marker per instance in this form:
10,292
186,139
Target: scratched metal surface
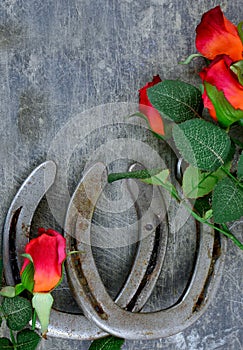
60,58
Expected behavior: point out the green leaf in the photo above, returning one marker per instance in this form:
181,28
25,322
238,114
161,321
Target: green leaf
227,201
208,214
202,205
240,31
197,183
175,100
225,112
18,312
237,68
5,344
27,256
27,277
109,343
19,288
42,303
161,179
27,340
240,168
202,144
8,292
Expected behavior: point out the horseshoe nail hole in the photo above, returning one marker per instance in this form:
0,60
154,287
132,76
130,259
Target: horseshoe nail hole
149,227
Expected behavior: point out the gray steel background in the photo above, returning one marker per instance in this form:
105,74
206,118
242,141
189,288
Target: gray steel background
59,58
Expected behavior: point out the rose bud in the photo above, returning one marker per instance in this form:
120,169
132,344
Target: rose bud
153,117
48,251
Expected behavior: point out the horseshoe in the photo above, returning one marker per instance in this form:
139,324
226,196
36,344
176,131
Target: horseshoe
16,229
98,306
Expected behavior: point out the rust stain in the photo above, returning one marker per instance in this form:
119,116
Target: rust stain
84,283
215,255
26,230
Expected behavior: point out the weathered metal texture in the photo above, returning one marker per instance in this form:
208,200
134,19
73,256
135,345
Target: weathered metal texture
18,221
84,277
146,266
60,58
20,216
151,247
92,296
16,236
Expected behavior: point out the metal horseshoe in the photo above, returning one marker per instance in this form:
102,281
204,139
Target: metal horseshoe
15,237
145,270
96,303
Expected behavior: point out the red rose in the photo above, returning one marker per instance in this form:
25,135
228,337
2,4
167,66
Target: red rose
48,251
216,35
145,107
228,107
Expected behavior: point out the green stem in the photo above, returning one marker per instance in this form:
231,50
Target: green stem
199,183
231,176
228,173
33,320
75,252
169,187
190,58
231,236
140,174
225,231
13,339
143,174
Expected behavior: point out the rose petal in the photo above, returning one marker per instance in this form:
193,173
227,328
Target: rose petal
208,104
61,244
219,74
48,253
145,107
216,35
